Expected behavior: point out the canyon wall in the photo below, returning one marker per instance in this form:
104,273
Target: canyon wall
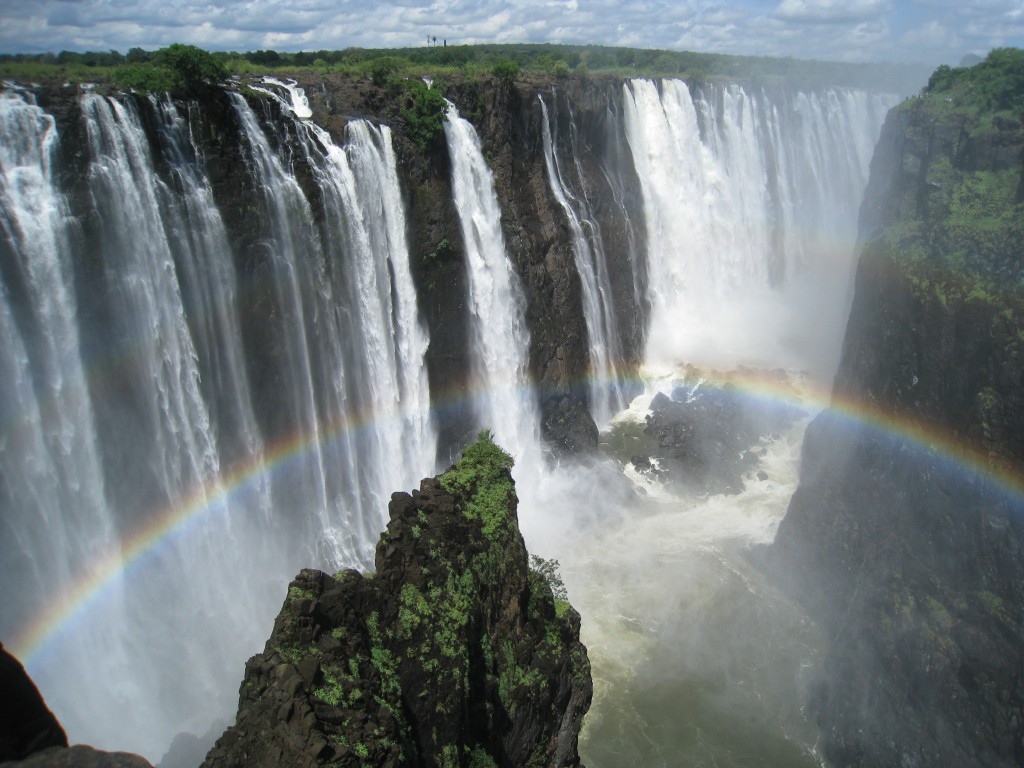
905,535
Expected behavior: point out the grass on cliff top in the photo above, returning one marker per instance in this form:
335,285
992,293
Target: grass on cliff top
474,61
481,478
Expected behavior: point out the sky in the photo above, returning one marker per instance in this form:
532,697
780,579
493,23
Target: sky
926,31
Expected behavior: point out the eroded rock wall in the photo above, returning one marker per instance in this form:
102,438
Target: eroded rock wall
905,537
453,653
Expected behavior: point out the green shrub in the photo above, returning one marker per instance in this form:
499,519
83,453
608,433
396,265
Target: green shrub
180,69
196,70
505,70
423,111
146,78
384,69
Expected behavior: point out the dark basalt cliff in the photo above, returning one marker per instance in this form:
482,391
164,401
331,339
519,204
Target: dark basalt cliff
508,119
453,653
31,736
912,560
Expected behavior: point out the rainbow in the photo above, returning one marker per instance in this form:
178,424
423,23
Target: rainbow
168,524
193,509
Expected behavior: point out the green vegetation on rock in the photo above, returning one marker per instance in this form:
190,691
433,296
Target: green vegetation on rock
995,84
956,220
481,478
423,111
456,653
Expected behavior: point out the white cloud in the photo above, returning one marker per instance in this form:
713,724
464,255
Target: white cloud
822,29
830,11
932,34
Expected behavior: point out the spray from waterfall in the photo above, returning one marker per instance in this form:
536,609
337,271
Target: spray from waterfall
751,203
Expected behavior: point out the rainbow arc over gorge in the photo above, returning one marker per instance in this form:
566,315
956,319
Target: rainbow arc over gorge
135,548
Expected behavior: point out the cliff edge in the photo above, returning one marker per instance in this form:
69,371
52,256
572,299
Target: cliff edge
905,538
453,653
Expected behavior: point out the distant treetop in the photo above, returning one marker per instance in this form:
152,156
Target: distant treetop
996,83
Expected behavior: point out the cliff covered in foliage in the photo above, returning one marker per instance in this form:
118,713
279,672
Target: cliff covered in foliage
453,653
904,547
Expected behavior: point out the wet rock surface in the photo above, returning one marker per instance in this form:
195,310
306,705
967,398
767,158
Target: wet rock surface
454,652
709,434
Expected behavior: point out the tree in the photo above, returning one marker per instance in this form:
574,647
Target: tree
137,56
505,70
195,70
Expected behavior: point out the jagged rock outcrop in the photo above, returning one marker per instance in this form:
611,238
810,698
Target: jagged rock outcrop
706,436
910,558
453,653
26,724
31,736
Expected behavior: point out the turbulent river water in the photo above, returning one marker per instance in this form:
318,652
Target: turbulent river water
159,485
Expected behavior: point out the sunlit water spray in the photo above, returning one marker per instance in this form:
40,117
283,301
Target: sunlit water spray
751,205
695,659
751,201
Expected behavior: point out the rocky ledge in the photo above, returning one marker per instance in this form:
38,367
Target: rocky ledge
32,737
453,653
708,434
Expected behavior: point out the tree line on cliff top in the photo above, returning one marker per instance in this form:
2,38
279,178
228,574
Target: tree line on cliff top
161,67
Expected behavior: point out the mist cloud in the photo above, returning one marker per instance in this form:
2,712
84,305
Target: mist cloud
933,31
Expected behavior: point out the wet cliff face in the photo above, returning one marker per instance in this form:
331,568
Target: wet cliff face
510,123
508,119
910,557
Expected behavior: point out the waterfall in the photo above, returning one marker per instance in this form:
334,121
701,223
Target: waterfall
751,203
292,263
502,396
606,387
49,458
209,291
363,406
146,498
365,227
204,389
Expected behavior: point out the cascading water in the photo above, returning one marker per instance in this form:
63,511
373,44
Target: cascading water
503,400
49,456
133,413
119,456
209,291
751,203
365,227
155,360
349,280
607,390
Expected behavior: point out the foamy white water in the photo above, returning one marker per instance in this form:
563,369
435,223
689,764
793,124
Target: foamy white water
500,340
751,204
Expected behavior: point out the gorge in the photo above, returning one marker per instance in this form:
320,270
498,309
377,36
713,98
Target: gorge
232,327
